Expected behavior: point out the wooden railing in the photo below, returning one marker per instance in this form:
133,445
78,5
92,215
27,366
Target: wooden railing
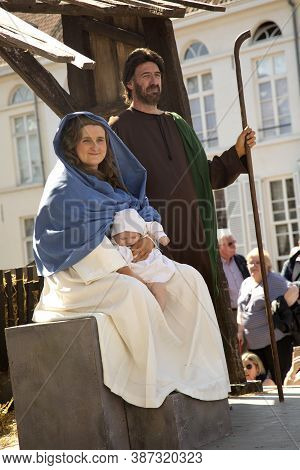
20,290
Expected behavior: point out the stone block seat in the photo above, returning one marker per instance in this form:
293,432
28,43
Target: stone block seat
62,403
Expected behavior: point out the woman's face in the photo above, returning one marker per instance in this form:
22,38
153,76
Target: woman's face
254,268
91,148
250,369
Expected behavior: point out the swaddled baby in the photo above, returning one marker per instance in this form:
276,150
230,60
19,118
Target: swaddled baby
129,227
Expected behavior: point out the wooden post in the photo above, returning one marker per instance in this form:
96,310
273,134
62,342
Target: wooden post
29,294
174,95
20,296
81,82
3,350
11,321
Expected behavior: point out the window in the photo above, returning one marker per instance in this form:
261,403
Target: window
221,210
197,49
285,217
28,228
202,104
26,140
267,30
273,96
234,211
23,94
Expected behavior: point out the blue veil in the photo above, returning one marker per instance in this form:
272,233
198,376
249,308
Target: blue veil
76,210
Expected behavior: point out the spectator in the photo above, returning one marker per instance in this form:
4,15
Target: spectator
254,368
291,268
252,318
235,266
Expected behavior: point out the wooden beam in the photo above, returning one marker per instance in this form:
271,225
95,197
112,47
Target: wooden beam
113,32
81,82
139,6
200,5
17,33
39,80
162,3
75,10
111,109
11,38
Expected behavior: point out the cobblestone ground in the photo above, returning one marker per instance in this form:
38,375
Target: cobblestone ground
260,421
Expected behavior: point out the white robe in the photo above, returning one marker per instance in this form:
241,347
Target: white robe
146,354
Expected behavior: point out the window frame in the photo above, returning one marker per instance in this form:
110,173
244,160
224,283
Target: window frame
14,135
279,259
200,95
26,238
272,79
191,44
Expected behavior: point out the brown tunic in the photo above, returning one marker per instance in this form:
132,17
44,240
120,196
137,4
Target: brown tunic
155,141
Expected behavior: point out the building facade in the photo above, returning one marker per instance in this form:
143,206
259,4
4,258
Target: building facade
270,71
27,127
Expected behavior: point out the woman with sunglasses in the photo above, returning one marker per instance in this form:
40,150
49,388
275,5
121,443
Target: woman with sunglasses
252,319
254,369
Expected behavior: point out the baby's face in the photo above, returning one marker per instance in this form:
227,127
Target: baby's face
127,238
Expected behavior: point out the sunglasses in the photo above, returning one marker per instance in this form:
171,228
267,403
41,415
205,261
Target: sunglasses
249,366
231,243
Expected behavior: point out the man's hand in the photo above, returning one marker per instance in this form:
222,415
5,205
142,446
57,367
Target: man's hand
142,249
246,137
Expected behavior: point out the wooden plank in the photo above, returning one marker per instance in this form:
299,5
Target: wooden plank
96,12
11,38
10,294
3,350
159,36
109,109
18,33
107,85
93,25
140,4
41,285
40,81
29,287
81,82
21,320
199,5
17,2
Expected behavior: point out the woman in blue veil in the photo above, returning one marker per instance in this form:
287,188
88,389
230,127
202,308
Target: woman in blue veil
146,353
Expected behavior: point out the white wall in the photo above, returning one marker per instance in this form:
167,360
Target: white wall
19,201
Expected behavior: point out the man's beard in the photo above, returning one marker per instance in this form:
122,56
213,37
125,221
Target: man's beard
146,96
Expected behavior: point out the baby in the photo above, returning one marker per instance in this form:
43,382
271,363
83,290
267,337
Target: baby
127,229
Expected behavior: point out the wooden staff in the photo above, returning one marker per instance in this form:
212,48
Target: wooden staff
239,41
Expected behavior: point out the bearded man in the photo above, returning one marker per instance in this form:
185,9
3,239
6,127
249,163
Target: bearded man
180,178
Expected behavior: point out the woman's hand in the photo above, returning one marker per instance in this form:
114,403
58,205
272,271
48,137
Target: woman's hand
291,295
142,249
246,137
